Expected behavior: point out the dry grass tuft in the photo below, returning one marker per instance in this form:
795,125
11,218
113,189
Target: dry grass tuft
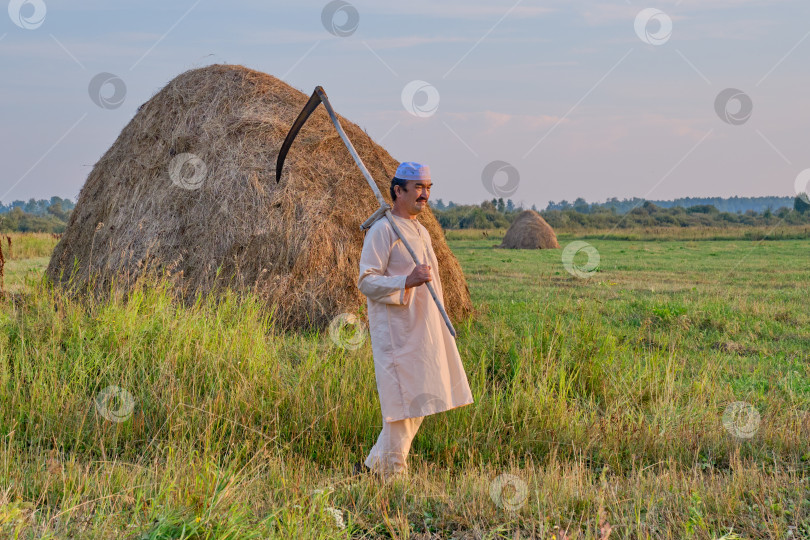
297,243
2,267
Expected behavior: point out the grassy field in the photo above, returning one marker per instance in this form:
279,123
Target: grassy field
27,255
665,395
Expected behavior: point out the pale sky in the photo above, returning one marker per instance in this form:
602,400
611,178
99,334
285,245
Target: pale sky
575,98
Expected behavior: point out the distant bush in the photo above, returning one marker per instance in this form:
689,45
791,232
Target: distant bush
19,221
43,215
801,205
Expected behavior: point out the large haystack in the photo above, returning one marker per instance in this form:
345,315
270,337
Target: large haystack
530,231
297,243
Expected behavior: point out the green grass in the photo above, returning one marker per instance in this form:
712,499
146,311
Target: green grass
27,245
27,255
604,395
780,231
17,270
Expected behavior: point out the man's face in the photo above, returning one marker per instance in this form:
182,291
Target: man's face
416,198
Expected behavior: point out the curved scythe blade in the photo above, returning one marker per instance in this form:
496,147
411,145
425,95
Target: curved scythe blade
319,96
311,105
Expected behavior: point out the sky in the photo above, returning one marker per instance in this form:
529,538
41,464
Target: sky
533,101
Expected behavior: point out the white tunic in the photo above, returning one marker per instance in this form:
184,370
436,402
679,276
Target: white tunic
416,361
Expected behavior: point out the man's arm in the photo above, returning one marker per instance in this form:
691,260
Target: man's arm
373,262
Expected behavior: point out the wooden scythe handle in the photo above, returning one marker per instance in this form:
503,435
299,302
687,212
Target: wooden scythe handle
319,96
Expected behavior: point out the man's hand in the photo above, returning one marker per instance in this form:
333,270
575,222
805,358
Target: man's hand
420,275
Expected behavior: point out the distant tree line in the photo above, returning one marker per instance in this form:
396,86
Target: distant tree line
722,204
497,213
52,215
38,207
41,215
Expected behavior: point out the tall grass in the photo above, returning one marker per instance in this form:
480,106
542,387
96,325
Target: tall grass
24,254
27,245
605,400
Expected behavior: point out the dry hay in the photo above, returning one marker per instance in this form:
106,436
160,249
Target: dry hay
296,243
2,266
530,231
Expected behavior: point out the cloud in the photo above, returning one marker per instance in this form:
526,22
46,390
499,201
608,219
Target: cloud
289,37
87,52
411,41
281,36
491,122
609,14
459,10
681,127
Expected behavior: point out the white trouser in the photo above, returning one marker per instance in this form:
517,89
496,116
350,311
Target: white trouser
390,453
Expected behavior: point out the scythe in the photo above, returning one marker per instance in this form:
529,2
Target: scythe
318,97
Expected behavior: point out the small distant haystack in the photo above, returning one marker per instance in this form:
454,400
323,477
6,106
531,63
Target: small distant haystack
189,188
530,231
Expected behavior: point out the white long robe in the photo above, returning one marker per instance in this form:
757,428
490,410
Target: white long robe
416,361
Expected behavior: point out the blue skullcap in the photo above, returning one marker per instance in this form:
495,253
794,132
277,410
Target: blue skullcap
410,170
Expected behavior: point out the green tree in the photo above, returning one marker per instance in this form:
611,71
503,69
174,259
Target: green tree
57,211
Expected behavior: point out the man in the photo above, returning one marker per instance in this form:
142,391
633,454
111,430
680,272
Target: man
416,361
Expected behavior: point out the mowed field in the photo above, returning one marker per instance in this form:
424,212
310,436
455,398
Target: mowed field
666,395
